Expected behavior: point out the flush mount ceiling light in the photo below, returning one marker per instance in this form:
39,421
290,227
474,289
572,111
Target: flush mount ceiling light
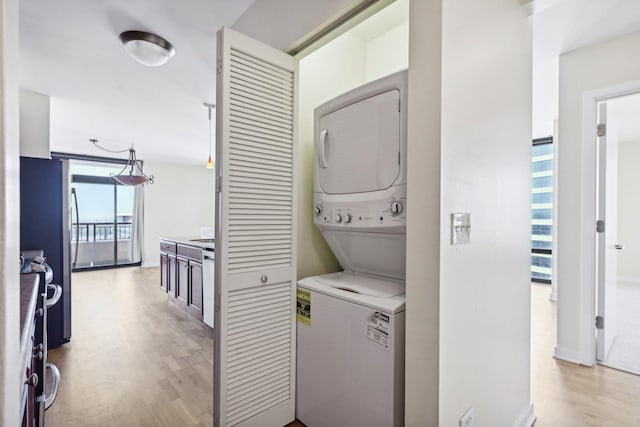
146,48
135,175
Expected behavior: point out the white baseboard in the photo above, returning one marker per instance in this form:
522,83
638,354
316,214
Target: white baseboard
567,354
628,279
526,418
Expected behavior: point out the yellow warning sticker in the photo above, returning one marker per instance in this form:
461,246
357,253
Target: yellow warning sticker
303,307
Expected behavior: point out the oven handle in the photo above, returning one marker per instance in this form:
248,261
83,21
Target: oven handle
57,293
54,389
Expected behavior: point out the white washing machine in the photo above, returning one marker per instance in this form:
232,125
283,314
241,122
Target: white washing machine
350,351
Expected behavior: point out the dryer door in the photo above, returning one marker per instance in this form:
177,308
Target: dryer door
358,146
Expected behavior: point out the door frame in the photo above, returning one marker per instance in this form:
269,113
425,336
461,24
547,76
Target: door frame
588,287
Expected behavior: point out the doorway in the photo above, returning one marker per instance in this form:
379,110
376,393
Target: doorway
106,217
618,242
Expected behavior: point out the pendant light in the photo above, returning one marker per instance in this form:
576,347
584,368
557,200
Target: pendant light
209,108
135,175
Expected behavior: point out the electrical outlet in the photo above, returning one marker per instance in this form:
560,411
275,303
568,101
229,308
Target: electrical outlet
467,418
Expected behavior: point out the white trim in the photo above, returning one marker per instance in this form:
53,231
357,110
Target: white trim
526,418
628,279
590,99
567,354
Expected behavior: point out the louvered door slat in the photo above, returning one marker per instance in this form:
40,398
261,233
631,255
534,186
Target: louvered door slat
256,105
259,113
240,94
265,121
241,78
243,143
249,165
255,238
250,62
260,79
247,138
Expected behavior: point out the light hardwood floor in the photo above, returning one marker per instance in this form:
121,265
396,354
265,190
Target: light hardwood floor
135,360
569,395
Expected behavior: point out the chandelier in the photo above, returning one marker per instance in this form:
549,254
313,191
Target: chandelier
131,173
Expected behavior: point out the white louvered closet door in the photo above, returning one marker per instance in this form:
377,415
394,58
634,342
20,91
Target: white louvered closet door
256,239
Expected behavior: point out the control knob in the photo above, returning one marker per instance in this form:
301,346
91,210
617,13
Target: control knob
338,218
396,208
347,218
317,209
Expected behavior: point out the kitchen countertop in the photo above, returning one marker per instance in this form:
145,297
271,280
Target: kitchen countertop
28,300
189,240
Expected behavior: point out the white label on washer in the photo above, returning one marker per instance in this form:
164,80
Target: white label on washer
378,329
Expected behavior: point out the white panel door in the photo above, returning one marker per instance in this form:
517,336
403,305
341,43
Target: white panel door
607,241
254,360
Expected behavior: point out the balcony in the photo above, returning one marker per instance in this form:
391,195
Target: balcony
97,244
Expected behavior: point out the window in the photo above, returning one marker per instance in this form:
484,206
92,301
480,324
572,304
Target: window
541,209
105,228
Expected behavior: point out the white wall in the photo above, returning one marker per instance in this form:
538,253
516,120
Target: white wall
629,210
10,377
35,114
333,69
388,52
595,67
485,170
179,202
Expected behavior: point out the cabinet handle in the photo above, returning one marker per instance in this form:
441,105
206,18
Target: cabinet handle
264,279
32,380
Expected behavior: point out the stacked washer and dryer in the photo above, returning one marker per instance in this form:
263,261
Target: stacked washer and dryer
350,339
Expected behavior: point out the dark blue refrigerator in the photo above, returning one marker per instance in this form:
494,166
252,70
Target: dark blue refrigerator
45,223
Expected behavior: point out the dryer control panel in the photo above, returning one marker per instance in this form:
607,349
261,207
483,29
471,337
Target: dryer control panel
384,215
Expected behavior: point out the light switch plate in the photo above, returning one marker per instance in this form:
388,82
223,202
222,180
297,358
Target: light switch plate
460,228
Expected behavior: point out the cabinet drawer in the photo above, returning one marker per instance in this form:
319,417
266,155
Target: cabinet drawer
190,252
168,247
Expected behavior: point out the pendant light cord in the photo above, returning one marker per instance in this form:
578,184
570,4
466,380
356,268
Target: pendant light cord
95,142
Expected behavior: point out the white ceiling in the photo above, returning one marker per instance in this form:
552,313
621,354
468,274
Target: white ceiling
69,49
560,26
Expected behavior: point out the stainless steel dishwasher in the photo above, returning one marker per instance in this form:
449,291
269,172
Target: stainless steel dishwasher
208,270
